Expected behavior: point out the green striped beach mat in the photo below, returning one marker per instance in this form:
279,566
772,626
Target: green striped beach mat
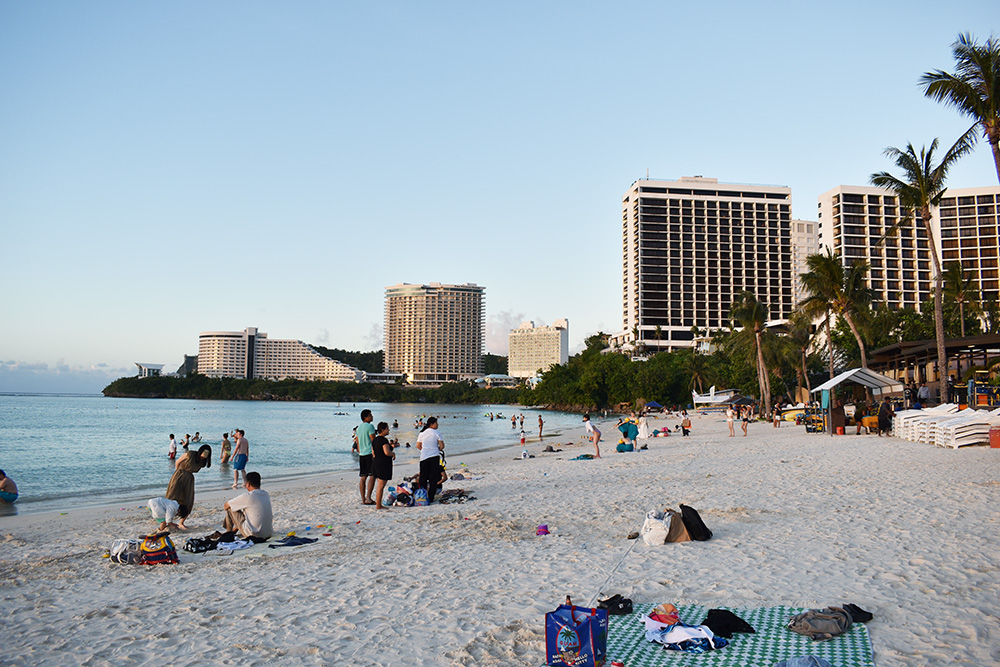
772,643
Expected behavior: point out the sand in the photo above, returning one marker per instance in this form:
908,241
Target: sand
907,531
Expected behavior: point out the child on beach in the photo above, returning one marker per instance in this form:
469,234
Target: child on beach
169,513
595,434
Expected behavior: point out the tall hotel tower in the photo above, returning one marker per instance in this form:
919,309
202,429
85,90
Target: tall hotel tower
854,221
690,246
435,333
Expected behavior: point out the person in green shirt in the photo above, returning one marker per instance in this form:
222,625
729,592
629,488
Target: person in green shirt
365,435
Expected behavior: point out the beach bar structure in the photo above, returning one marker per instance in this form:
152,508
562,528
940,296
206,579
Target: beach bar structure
880,385
916,361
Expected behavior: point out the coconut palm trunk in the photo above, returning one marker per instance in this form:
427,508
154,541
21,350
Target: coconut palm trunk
942,357
857,337
762,377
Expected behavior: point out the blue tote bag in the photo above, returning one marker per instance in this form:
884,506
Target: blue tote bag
576,636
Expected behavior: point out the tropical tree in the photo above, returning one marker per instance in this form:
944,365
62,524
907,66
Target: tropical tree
696,366
798,340
921,187
974,88
751,316
839,291
959,290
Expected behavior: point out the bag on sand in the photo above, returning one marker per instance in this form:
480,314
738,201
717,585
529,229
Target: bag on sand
576,636
125,552
420,498
158,549
695,526
662,528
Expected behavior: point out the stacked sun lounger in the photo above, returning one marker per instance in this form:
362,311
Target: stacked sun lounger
924,430
904,424
973,430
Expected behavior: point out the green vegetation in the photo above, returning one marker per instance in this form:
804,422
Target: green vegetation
370,362
234,389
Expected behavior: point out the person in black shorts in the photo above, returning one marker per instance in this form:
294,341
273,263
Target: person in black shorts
382,465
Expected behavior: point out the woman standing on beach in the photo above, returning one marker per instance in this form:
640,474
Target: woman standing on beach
746,418
430,444
730,418
382,463
181,487
595,434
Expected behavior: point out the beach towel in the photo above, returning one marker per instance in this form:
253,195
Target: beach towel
293,541
772,642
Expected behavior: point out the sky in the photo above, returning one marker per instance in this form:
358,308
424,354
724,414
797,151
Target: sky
173,168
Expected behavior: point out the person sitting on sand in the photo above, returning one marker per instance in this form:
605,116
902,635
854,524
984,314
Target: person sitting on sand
227,449
169,513
8,489
250,513
382,462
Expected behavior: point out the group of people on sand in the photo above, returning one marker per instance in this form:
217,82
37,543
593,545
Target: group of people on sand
743,413
248,514
376,452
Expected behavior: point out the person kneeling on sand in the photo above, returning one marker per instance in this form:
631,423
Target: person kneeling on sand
169,513
250,513
8,489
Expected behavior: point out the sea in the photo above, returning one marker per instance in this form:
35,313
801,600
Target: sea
68,451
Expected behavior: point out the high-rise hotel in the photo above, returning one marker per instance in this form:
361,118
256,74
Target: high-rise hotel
251,354
435,333
855,223
690,246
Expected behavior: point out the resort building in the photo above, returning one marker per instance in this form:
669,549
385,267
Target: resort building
149,370
532,350
805,242
435,333
251,354
690,246
855,222
967,220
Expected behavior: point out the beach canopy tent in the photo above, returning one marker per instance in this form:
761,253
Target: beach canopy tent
879,384
654,405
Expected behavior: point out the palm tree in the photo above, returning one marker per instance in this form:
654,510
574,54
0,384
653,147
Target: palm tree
697,367
922,187
750,314
799,339
974,88
959,290
842,292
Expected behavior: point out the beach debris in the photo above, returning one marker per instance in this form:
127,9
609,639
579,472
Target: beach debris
542,530
633,535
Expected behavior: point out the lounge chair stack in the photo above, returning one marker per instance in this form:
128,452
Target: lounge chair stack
973,430
905,423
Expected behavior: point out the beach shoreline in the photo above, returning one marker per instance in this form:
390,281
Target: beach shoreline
904,530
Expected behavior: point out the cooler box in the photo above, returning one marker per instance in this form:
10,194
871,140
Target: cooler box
995,437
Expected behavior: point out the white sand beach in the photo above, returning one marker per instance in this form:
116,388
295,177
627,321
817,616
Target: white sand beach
907,531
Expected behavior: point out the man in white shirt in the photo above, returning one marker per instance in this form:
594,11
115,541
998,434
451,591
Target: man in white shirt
250,513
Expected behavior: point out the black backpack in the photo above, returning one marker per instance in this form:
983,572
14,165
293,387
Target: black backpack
695,526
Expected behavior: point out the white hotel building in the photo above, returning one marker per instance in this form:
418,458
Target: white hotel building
251,354
690,246
533,349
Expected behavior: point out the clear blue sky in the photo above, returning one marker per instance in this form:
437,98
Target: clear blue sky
172,168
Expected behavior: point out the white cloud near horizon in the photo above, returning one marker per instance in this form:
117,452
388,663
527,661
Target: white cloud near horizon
39,377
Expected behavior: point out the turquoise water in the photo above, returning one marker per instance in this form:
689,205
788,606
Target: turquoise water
67,451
